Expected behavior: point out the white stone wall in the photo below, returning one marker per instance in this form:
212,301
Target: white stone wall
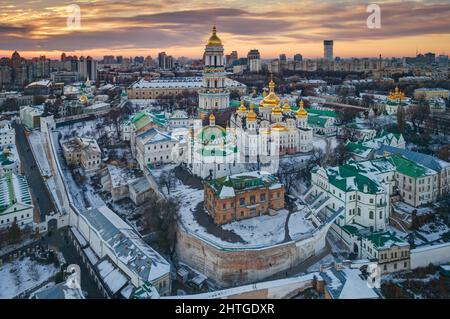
436,254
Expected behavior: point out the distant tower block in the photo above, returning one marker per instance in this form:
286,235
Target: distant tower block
328,50
214,96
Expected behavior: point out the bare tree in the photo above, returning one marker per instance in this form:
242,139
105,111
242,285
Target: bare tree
160,217
167,179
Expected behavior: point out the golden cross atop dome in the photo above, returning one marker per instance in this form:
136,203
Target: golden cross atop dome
301,112
242,108
214,40
251,115
271,84
286,106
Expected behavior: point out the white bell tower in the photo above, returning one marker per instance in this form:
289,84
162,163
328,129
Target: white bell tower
214,96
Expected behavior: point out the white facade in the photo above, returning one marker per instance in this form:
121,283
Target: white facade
274,131
212,151
179,118
254,65
7,133
154,147
15,202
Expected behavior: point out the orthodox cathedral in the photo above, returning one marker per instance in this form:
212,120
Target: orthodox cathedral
275,129
258,135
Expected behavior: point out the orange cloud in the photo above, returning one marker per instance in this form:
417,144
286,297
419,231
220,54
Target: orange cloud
181,27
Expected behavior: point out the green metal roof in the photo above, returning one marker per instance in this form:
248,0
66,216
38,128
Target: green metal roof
384,239
408,167
317,121
327,113
243,181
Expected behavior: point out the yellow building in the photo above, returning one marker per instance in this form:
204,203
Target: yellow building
429,94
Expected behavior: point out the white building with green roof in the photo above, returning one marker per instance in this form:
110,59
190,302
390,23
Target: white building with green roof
322,120
7,133
155,147
15,202
363,191
9,160
366,148
212,151
139,121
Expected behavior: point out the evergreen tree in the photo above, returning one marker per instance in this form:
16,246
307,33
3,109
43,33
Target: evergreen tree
401,119
14,234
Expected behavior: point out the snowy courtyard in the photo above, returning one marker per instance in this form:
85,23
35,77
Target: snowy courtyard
21,275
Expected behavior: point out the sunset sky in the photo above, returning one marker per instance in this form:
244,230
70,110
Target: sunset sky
182,27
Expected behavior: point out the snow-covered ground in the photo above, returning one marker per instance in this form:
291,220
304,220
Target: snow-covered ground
433,231
21,275
262,230
93,128
39,152
321,142
257,232
299,226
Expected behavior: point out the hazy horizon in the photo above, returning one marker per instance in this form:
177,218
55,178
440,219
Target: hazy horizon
140,28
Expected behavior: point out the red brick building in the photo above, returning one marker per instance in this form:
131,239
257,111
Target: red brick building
243,196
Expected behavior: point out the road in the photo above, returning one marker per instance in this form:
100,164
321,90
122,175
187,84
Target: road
37,186
60,240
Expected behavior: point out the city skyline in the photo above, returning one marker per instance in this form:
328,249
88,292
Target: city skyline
140,29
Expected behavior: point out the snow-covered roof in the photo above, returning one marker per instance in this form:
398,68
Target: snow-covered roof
126,244
63,290
178,82
426,160
347,284
227,186
98,105
153,136
14,189
112,276
40,83
139,185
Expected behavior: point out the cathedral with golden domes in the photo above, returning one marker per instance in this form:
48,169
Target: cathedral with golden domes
273,129
257,134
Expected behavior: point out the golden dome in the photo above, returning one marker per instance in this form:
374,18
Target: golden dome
301,112
84,99
396,95
212,117
214,40
242,108
251,115
279,128
271,99
277,110
286,106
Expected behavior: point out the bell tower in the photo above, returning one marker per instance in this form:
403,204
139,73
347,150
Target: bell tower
214,96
